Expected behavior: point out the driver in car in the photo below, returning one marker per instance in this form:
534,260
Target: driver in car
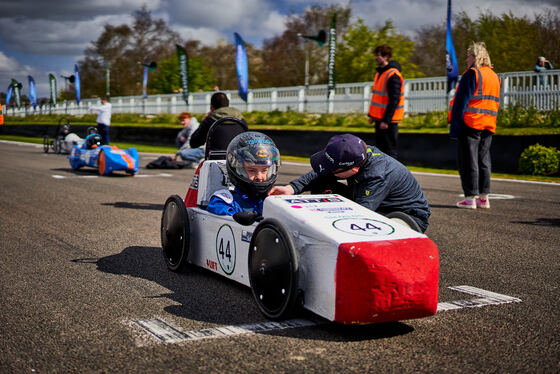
252,163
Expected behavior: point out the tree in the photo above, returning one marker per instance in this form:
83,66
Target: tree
513,43
123,47
167,78
284,55
355,60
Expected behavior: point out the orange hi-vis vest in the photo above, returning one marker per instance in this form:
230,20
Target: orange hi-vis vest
1,115
380,97
482,111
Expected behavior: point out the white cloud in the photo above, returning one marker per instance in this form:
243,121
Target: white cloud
253,19
45,37
207,36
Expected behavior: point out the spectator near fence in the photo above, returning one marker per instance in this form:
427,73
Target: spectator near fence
541,66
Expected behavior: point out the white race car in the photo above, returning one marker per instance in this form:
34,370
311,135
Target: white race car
334,257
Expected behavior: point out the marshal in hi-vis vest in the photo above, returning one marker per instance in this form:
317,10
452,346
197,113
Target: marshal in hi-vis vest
380,97
482,111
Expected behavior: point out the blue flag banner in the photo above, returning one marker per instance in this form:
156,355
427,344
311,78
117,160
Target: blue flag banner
32,91
242,68
145,80
77,83
8,96
450,58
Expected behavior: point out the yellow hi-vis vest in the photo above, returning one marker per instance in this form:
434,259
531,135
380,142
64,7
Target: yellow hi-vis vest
482,111
380,98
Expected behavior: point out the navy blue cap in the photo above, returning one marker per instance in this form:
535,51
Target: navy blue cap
342,152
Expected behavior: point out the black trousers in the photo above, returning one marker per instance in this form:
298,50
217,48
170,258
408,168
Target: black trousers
473,159
103,130
386,140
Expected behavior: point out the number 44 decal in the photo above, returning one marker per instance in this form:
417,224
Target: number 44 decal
368,226
363,226
225,249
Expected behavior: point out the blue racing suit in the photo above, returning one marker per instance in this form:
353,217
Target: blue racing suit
227,203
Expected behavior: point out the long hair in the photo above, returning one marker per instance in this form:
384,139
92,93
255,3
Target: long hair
480,54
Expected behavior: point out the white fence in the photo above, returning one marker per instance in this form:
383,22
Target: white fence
422,95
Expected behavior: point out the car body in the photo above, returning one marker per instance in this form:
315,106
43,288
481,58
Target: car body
105,158
329,254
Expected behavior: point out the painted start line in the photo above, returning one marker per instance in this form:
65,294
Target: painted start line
164,332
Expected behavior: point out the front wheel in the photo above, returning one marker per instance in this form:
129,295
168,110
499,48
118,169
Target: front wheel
175,234
46,144
273,269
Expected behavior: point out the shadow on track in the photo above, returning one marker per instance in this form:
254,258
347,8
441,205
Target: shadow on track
552,222
204,296
91,171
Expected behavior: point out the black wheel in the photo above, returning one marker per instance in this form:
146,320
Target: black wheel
57,146
175,234
273,269
404,219
46,144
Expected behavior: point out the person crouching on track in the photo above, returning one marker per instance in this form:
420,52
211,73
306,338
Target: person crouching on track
252,163
374,179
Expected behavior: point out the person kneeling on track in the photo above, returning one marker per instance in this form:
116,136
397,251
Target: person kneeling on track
375,180
252,163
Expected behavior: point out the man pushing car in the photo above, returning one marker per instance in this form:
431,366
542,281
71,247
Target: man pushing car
374,179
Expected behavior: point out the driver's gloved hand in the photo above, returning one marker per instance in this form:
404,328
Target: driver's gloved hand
247,217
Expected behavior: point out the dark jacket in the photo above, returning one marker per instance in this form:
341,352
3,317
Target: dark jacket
383,185
463,95
198,137
393,90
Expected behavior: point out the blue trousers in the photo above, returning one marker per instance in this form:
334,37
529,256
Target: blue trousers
192,154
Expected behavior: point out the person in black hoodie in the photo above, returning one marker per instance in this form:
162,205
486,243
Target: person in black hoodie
387,101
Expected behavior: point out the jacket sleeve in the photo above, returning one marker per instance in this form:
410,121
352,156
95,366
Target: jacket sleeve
198,138
465,90
394,92
302,183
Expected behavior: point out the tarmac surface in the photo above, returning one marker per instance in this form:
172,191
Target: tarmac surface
85,289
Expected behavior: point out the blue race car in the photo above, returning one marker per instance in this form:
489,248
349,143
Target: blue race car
105,158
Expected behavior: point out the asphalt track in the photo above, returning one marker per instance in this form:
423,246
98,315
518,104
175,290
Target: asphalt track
81,271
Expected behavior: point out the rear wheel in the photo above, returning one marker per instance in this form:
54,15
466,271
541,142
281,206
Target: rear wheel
56,144
175,234
273,269
404,219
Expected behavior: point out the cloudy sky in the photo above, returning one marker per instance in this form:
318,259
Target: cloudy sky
38,37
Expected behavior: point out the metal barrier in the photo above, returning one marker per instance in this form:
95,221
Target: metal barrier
422,95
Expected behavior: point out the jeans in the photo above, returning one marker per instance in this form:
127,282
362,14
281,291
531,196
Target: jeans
473,156
191,154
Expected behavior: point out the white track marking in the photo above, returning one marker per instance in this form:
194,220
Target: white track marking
164,332
485,298
163,175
